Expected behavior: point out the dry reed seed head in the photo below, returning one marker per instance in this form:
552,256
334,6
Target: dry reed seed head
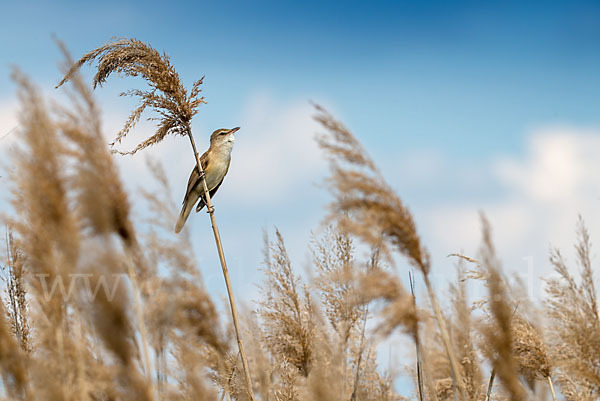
529,350
464,336
583,248
167,95
444,389
287,312
326,380
13,361
56,159
230,378
101,199
373,385
334,261
572,309
45,225
264,368
365,205
195,311
40,188
436,364
499,333
17,304
286,389
189,372
110,309
399,309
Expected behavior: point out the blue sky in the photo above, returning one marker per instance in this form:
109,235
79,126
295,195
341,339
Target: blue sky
466,106
465,76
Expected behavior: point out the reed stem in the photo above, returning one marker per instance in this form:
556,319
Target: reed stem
454,367
551,388
490,385
211,212
417,341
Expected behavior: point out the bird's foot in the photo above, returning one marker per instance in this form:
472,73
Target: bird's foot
210,210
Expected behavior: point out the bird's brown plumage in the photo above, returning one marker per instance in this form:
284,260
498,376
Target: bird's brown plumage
215,165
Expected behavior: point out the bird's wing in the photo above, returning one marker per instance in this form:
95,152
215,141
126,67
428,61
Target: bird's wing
212,193
195,176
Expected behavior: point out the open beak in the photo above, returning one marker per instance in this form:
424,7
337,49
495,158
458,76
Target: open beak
234,130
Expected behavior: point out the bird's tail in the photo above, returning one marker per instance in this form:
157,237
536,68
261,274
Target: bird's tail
183,216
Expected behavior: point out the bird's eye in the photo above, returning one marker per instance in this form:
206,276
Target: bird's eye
223,133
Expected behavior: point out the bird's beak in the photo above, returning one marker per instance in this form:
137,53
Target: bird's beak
234,130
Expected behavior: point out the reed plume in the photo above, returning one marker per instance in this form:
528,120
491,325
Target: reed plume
573,310
102,304
167,95
366,206
170,100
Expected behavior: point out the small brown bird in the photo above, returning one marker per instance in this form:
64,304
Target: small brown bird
215,163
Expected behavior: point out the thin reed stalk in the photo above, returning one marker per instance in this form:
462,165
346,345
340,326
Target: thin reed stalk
490,385
360,355
366,206
215,228
551,388
493,374
417,343
454,368
170,99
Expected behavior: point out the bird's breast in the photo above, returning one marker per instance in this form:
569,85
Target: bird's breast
216,170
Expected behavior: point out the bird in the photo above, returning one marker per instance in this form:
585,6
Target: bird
215,164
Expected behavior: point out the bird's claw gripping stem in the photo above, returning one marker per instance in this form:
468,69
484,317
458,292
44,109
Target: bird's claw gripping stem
210,209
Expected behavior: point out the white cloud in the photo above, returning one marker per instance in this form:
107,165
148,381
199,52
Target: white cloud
541,194
558,167
276,152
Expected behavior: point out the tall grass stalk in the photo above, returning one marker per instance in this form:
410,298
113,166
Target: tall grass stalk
232,304
366,206
170,99
420,388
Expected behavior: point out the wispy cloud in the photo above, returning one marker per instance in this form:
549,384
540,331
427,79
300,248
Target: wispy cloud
540,196
277,155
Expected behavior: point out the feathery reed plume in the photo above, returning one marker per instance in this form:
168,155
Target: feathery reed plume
418,351
333,259
287,311
104,210
573,310
16,302
169,98
464,336
530,351
362,195
13,361
266,366
400,310
53,235
182,319
499,332
15,307
167,95
366,206
102,201
47,232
